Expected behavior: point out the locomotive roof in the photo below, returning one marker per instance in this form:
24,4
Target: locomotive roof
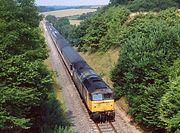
61,42
92,81
95,84
81,66
71,55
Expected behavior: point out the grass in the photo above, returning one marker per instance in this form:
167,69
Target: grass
102,63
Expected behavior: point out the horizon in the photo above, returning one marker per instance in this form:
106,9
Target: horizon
70,2
70,5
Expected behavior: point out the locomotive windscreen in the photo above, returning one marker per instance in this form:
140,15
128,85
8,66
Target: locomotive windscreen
101,96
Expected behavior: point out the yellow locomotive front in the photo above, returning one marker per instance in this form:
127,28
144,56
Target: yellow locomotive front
101,106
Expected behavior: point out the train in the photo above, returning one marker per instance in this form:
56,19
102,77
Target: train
95,93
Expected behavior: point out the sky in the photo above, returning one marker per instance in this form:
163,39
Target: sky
71,2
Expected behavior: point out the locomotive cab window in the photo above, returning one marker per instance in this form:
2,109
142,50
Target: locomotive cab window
108,96
97,97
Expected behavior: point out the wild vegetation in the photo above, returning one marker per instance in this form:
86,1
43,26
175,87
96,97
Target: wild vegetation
146,5
86,15
147,72
27,103
149,47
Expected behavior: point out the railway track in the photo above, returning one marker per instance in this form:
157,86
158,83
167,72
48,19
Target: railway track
107,127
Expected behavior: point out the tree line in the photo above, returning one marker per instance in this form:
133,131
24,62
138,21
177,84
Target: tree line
146,5
147,72
26,96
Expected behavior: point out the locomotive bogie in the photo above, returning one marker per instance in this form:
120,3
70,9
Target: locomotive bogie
103,116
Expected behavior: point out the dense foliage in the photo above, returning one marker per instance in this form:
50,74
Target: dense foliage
86,15
63,26
151,5
98,32
170,101
52,19
146,5
25,80
150,45
54,117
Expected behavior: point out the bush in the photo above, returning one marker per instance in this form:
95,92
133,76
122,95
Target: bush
51,19
54,115
99,32
59,130
170,101
151,5
149,46
86,15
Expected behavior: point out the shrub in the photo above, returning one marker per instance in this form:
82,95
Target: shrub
149,46
100,32
54,116
151,5
170,101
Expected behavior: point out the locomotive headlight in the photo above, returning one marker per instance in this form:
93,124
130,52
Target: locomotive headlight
94,106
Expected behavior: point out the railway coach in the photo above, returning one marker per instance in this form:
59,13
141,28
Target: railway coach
96,94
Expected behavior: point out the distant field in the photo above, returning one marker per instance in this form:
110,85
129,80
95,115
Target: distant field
75,22
68,12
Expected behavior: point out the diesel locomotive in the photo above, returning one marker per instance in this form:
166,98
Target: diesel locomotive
96,94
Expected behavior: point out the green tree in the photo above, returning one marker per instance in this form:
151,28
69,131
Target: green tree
154,5
61,23
119,1
51,19
99,32
24,78
149,46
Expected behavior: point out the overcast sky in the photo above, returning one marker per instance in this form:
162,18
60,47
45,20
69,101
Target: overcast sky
72,2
